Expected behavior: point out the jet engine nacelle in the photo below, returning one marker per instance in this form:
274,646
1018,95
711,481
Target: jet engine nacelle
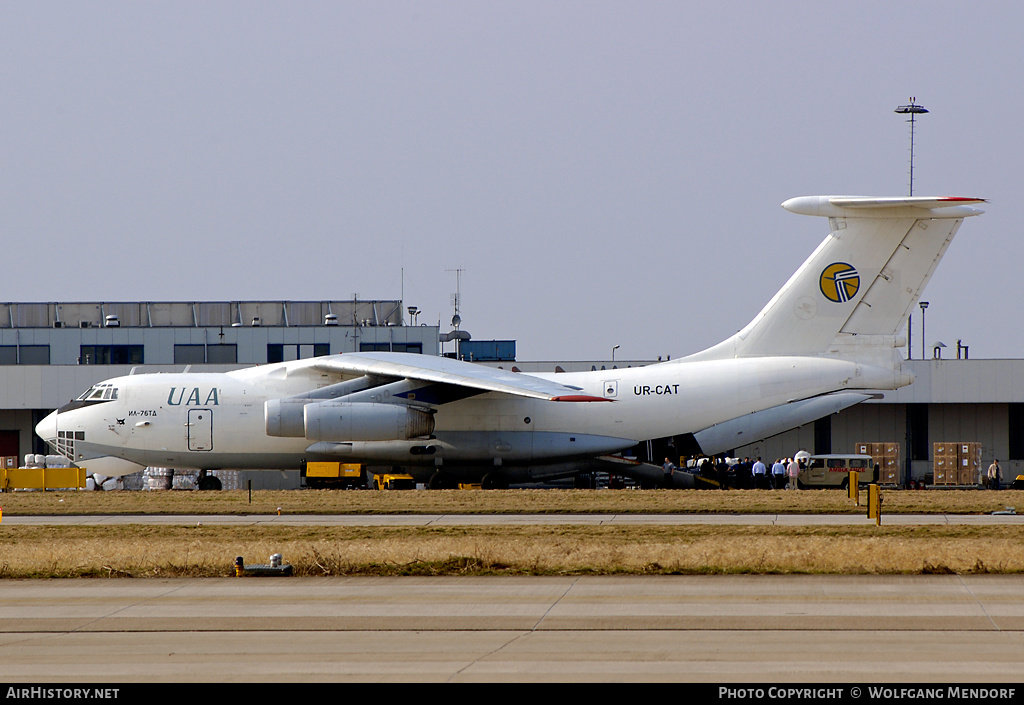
284,417
361,421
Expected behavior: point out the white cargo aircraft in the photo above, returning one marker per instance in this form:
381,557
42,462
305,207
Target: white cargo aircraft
827,340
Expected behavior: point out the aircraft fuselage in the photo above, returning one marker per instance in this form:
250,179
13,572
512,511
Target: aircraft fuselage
219,420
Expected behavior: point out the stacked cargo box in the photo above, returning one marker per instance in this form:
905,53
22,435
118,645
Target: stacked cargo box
887,456
969,458
956,463
890,470
945,463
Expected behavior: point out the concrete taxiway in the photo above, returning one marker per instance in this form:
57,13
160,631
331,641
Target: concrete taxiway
720,629
713,629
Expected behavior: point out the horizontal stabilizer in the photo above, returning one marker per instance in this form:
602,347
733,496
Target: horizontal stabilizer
891,207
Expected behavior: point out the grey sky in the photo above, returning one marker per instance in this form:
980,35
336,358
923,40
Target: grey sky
605,173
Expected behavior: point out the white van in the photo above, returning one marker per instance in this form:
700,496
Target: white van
833,471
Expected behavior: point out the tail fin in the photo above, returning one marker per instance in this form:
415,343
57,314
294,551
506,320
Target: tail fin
863,280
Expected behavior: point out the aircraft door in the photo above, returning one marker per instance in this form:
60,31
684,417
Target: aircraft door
200,429
816,471
140,429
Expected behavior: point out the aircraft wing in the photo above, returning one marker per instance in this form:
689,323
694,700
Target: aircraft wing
442,370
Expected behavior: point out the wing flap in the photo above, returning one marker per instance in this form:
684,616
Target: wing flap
443,370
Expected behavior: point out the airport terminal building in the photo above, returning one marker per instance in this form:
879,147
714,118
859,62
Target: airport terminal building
52,352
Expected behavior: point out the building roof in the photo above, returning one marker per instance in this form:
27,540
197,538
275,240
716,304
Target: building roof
153,314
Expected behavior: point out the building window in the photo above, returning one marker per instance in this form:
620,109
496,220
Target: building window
111,355
24,354
917,430
392,347
823,436
1015,412
284,353
224,354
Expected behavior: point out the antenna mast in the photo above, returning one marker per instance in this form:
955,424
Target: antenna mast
457,296
458,335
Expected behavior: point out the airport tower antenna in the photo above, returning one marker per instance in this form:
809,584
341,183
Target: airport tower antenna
458,335
913,110
457,296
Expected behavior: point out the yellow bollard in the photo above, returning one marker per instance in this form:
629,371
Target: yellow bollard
854,487
875,504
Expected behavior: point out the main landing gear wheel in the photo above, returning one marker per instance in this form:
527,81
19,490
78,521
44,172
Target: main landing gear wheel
209,482
494,481
441,481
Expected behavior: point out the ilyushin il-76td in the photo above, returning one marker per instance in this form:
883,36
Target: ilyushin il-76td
830,338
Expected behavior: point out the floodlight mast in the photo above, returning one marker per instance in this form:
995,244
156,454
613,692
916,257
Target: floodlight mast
913,110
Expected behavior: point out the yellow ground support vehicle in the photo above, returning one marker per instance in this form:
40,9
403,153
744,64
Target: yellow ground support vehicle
324,475
394,482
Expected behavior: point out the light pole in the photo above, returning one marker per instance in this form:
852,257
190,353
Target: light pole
913,110
613,352
924,306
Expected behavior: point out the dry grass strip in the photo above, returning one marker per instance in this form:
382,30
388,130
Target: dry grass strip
178,551
503,502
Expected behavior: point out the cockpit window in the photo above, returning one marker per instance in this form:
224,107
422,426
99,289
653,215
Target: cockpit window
99,392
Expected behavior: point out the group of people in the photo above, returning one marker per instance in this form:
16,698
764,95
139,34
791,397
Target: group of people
784,473
744,474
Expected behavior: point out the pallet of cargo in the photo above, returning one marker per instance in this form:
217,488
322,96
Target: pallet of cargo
886,455
957,464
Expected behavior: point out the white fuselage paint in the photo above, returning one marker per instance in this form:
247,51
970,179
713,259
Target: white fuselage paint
818,335
216,420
